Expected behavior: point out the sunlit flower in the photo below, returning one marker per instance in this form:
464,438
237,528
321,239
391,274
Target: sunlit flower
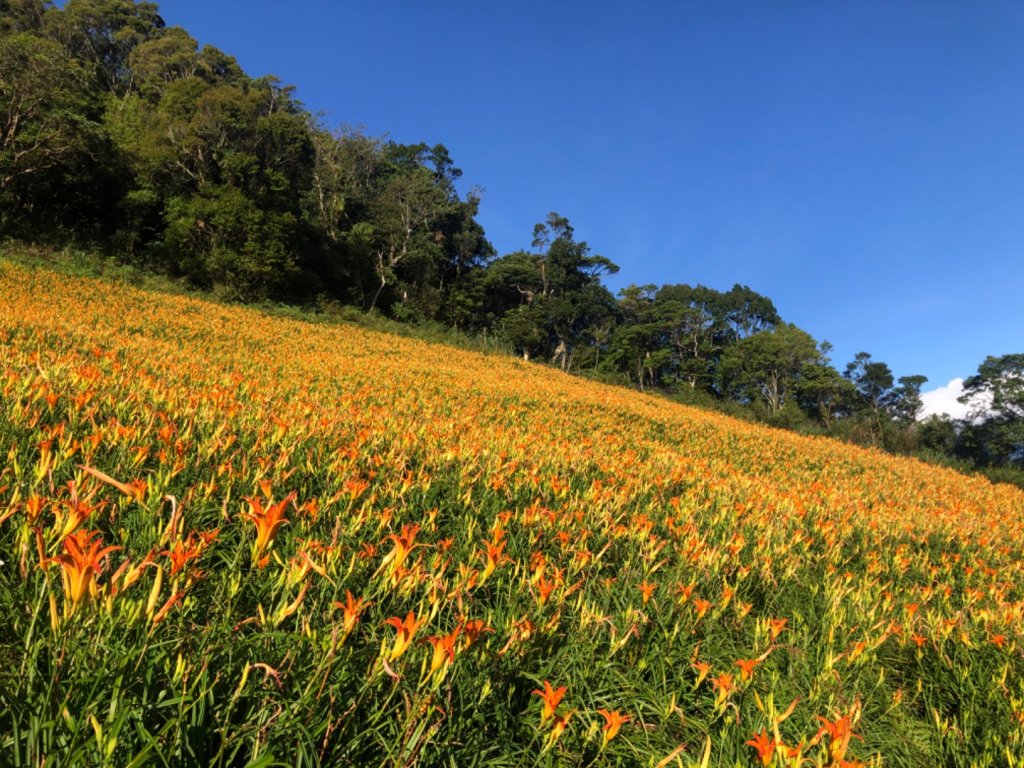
613,721
764,746
81,562
406,631
267,521
550,698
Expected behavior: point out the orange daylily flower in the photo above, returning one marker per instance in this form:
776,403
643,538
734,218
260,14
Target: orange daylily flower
646,590
839,733
545,587
727,593
444,650
406,631
723,683
557,726
613,721
355,487
353,608
764,746
33,507
81,562
72,513
184,551
702,606
775,627
747,667
494,554
404,543
267,520
703,669
550,698
472,629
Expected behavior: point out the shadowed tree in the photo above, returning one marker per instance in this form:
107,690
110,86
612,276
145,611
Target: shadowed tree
998,386
55,161
701,323
23,15
102,34
822,392
873,380
905,402
766,366
995,436
556,290
637,346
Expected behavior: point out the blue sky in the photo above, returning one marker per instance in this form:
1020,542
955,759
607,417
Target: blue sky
861,163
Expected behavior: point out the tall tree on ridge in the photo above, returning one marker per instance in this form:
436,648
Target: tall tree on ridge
765,367
546,301
995,435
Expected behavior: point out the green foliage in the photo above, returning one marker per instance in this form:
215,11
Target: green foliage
938,433
222,238
123,134
548,303
823,393
994,437
884,410
766,367
49,141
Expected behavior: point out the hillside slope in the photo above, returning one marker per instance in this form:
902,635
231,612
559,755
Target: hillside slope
342,547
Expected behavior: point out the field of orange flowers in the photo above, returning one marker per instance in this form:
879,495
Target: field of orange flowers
233,539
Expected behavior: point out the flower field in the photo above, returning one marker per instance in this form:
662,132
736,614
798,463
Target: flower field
233,539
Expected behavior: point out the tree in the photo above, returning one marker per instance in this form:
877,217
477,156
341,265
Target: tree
822,392
637,346
397,210
701,322
41,90
873,380
766,367
52,150
995,437
118,132
998,387
402,215
101,34
905,402
745,312
161,60
222,238
467,252
690,326
886,409
557,289
938,433
23,15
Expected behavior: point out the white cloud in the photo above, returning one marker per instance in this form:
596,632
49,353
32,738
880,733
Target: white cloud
944,400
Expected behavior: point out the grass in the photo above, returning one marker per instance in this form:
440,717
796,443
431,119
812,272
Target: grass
340,547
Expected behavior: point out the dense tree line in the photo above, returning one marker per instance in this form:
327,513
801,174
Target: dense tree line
121,134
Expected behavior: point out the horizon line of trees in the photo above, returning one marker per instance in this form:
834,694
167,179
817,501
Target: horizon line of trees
120,133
